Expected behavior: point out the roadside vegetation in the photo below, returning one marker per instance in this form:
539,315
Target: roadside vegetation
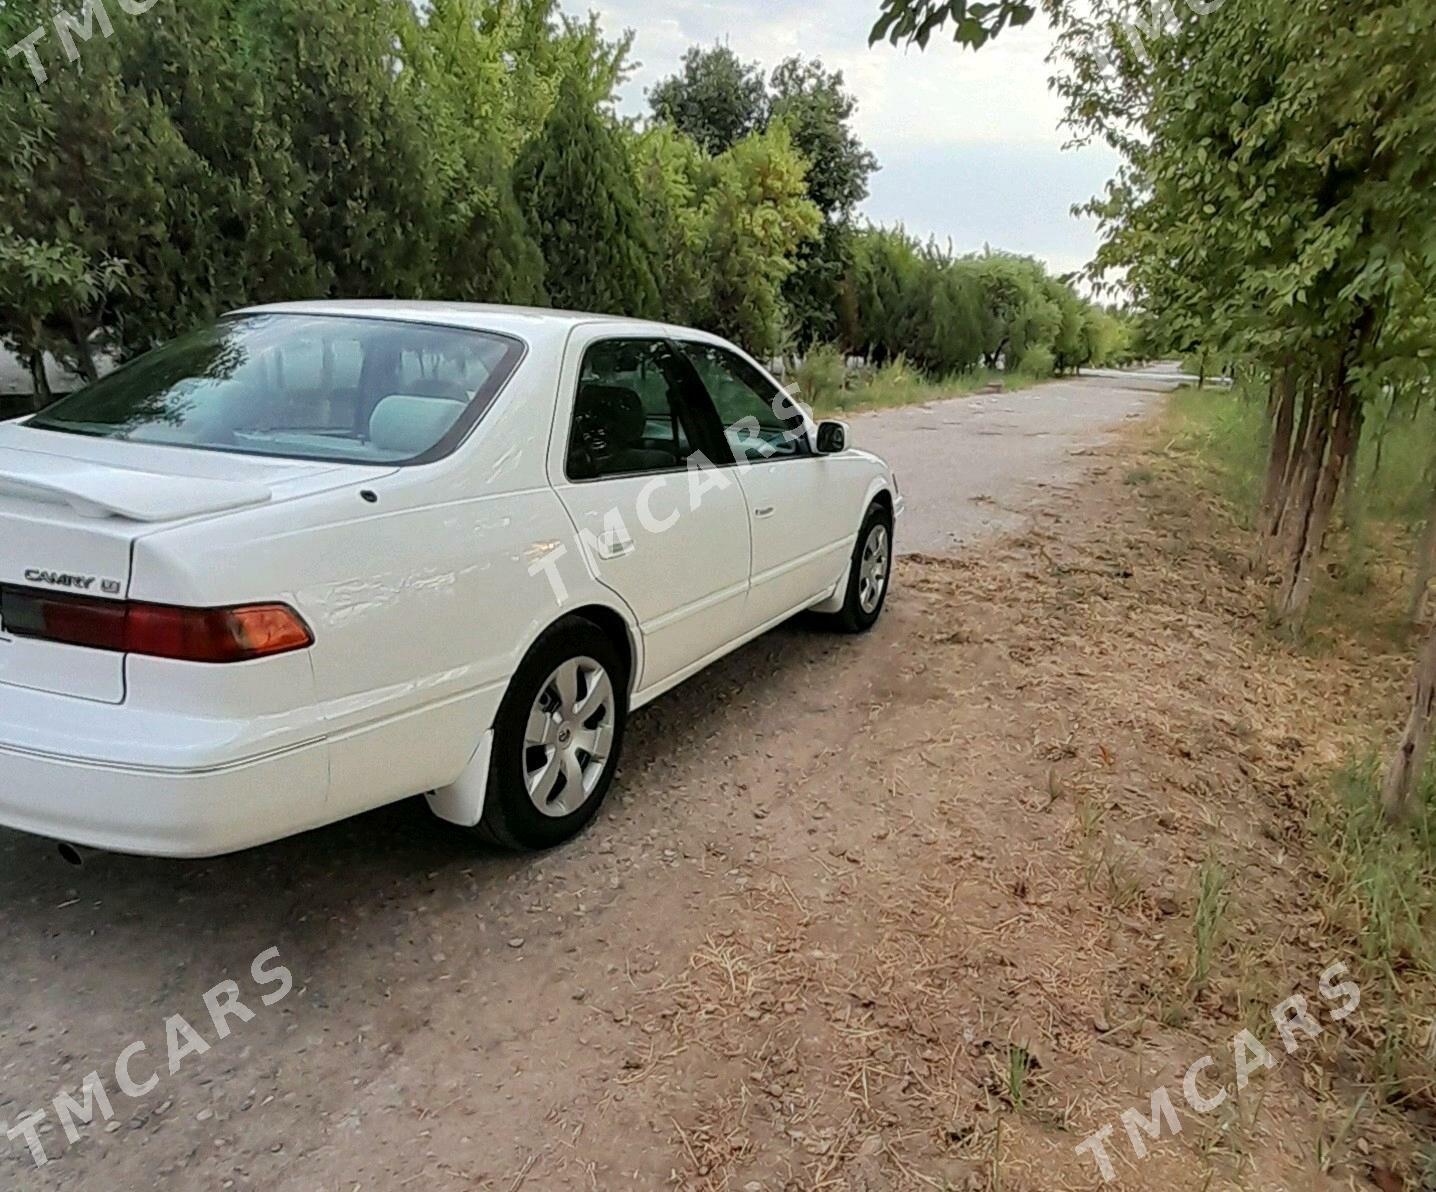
1374,880
207,155
827,383
1271,216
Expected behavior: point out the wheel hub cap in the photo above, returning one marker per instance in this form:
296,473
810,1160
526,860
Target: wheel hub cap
569,739
873,569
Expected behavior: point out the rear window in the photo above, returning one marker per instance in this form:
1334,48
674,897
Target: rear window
346,390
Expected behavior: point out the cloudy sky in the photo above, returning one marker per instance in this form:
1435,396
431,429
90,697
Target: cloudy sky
969,143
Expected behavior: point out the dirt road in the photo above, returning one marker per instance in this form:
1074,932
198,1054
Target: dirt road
463,1019
975,467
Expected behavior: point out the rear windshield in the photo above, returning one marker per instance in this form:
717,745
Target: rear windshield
349,390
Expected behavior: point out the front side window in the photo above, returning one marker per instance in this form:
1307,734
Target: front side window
629,414
350,390
760,421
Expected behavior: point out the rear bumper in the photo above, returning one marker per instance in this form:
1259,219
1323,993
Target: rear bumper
157,811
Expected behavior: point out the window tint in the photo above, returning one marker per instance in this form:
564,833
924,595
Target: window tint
760,421
303,386
629,415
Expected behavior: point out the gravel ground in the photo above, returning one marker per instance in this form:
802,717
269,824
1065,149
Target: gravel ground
974,466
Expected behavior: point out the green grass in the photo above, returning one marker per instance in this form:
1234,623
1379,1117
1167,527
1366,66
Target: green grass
1019,1064
1226,431
1380,889
1394,475
1375,883
1394,462
893,385
1208,922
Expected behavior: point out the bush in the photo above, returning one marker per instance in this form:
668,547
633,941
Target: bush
1038,363
821,377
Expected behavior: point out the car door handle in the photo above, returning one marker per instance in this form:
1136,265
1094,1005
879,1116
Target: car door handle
765,512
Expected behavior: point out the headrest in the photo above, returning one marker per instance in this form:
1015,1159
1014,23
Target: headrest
436,387
609,417
406,425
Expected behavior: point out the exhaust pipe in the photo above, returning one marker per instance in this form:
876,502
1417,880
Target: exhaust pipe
74,854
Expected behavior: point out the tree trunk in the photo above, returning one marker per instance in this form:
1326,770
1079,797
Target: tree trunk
1303,477
1282,510
1403,773
1279,455
1425,560
41,396
1323,483
1351,492
1380,451
83,350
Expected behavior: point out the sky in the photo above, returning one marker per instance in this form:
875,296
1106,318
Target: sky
969,143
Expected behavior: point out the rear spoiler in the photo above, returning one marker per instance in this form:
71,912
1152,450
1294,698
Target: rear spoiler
100,491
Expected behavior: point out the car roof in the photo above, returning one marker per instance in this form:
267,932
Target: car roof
529,323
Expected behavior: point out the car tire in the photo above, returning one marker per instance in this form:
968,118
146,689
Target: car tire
870,573
557,739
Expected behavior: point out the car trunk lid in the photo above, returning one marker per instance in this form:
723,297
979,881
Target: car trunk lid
72,508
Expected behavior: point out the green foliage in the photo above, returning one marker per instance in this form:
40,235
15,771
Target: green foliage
949,314
974,24
821,377
576,184
671,173
757,214
728,229
217,154
716,99
818,109
1037,361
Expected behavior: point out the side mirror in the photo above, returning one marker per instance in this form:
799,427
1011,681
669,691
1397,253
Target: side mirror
832,437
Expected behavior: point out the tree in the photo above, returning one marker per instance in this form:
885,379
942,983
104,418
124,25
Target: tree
1274,207
756,214
51,298
671,172
817,109
458,80
575,182
716,99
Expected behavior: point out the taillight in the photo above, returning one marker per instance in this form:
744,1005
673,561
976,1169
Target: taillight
156,630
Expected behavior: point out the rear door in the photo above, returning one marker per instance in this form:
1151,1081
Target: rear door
668,536
801,524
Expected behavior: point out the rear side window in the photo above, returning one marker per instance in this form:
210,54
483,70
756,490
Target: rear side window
346,390
760,420
629,413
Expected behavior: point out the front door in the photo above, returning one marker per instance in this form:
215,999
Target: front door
801,527
667,535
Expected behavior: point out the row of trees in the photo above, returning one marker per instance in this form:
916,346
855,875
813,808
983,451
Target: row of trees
211,154
949,314
881,293
1276,207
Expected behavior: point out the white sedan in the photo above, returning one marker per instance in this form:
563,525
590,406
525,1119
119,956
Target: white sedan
324,556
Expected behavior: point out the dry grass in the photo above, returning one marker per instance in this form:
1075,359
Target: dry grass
1087,863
